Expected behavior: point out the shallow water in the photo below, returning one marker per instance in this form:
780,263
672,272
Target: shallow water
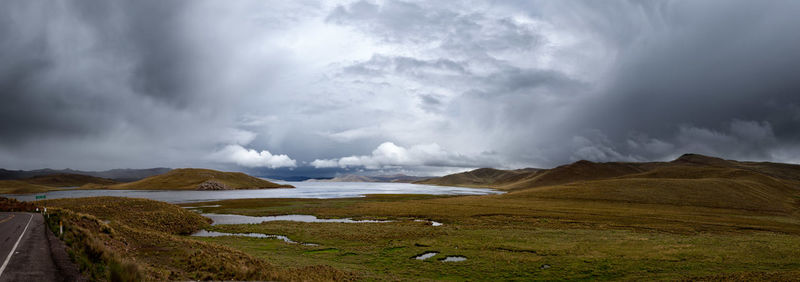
206,233
426,255
319,190
243,219
433,223
453,259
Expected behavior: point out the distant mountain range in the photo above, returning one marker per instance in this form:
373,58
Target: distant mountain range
402,178
120,175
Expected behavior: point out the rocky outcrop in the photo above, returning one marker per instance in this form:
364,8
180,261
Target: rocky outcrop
213,185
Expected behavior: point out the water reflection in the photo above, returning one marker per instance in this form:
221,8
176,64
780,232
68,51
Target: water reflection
206,233
243,219
426,255
453,259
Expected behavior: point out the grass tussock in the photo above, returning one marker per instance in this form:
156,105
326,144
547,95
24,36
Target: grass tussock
12,205
141,213
91,244
101,231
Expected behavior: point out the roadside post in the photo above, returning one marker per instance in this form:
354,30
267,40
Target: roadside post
41,197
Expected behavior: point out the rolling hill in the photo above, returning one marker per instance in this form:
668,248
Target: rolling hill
692,166
120,175
44,183
198,179
690,180
68,180
483,177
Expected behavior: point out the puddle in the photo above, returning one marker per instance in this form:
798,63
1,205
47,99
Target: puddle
433,223
453,259
206,233
426,255
243,219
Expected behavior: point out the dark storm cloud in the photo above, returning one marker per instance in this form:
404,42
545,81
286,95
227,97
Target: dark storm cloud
714,77
467,32
118,82
286,86
679,76
63,66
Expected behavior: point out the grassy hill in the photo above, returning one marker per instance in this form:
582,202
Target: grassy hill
691,180
688,166
68,180
532,177
483,177
44,183
22,187
199,179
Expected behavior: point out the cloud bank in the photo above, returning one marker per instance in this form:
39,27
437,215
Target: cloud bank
389,155
344,85
252,158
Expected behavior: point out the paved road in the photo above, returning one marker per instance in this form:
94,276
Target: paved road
37,253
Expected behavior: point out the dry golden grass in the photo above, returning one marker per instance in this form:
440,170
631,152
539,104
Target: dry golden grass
22,187
140,213
137,238
707,192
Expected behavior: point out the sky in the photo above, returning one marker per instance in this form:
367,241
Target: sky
320,88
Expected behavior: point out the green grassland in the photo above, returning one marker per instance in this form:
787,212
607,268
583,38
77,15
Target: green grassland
384,251
508,237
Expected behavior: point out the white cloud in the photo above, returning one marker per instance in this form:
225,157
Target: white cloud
252,158
324,163
388,155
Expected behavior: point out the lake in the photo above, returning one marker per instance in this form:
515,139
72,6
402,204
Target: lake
319,190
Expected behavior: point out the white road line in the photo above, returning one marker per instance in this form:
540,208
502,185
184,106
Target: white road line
15,245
